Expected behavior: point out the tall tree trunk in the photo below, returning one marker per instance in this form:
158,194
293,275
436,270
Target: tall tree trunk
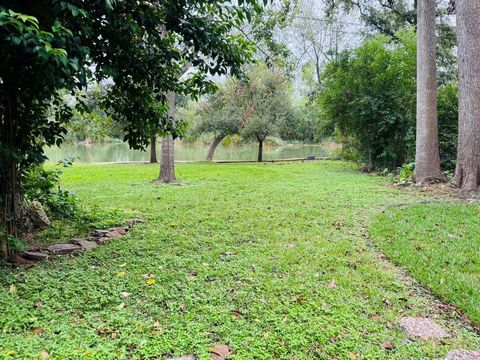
167,162
153,149
260,151
9,177
213,146
427,157
467,172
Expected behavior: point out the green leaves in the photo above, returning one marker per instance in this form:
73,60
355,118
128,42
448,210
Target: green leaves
368,96
19,21
140,47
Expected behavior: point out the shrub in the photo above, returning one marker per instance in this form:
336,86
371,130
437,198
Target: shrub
43,185
405,176
368,97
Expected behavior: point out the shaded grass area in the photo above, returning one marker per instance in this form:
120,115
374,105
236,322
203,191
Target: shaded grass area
439,244
80,225
270,259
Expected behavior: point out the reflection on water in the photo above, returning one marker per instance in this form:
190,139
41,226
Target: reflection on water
120,152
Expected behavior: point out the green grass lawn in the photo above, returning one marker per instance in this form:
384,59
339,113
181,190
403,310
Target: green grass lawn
440,245
271,259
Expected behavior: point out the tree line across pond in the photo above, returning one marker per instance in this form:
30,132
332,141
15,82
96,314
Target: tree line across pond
153,55
258,105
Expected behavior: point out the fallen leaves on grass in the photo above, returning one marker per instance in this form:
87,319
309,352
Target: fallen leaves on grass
192,273
387,345
332,284
237,314
300,299
219,352
37,330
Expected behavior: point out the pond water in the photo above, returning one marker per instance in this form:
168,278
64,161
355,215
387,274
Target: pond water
120,152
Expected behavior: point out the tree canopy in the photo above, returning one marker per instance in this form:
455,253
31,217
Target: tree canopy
141,47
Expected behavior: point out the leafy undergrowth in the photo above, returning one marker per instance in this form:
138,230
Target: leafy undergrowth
270,259
439,245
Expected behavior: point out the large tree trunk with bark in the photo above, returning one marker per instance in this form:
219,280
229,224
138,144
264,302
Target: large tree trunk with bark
153,149
260,150
467,172
167,162
213,146
427,157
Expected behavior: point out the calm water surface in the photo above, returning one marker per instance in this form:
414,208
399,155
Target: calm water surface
120,152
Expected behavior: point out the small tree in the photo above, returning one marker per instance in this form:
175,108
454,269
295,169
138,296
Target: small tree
220,114
266,103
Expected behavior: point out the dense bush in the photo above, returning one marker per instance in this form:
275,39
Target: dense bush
368,96
301,124
42,185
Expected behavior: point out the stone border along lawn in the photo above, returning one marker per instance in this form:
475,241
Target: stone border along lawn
75,244
269,260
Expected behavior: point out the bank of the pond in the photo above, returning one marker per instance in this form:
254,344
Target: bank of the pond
184,151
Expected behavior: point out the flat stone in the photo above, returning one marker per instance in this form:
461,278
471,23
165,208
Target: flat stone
102,240
423,328
100,233
34,255
463,355
113,234
16,259
186,357
132,222
121,230
64,248
85,244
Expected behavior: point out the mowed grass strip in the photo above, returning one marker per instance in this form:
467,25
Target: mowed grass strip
269,259
439,245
